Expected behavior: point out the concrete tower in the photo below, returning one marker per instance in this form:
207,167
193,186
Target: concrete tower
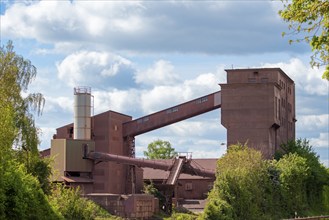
258,107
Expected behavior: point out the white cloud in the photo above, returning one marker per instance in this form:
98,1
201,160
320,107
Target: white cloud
307,79
162,73
321,141
161,97
51,21
146,26
196,128
208,154
313,122
45,136
63,103
124,101
91,68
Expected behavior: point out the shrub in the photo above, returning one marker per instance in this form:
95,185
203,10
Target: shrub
71,206
240,186
218,209
21,195
293,173
317,176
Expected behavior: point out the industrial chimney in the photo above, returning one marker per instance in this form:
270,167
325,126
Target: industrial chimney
82,113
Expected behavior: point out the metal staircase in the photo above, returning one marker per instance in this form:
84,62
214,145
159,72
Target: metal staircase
175,171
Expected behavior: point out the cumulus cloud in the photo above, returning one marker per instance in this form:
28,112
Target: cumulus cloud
62,103
321,141
161,97
307,79
313,122
162,73
198,128
173,26
124,101
92,68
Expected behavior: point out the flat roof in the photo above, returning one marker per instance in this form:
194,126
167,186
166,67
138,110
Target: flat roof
259,69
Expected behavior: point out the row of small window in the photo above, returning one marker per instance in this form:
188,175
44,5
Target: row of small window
283,85
278,104
201,100
141,120
171,110
254,80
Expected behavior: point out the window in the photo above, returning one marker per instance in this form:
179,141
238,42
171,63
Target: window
188,186
204,99
289,107
70,132
279,109
251,80
201,100
264,80
171,110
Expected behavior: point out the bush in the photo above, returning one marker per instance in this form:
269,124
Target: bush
317,176
218,209
293,174
248,187
240,186
68,202
21,195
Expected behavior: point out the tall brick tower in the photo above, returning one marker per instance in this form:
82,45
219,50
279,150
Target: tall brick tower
258,107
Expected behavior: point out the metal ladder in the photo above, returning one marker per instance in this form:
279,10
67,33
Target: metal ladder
175,171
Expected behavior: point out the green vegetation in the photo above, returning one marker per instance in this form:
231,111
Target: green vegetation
160,149
310,17
182,216
246,187
249,187
71,206
25,191
150,189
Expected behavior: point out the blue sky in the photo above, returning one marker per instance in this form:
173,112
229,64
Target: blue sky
143,56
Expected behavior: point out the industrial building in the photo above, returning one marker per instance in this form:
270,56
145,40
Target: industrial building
97,152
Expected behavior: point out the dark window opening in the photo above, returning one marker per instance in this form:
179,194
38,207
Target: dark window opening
264,80
73,174
252,80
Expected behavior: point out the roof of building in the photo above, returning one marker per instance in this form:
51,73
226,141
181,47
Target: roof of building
259,69
155,174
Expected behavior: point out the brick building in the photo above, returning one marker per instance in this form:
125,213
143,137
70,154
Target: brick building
258,107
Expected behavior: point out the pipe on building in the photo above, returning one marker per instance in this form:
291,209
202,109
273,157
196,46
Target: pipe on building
187,168
129,160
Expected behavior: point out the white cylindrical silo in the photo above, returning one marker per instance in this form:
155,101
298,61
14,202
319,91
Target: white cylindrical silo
82,113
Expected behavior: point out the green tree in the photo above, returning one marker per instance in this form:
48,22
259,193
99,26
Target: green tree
318,176
249,187
21,196
241,188
293,175
310,18
16,74
160,149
